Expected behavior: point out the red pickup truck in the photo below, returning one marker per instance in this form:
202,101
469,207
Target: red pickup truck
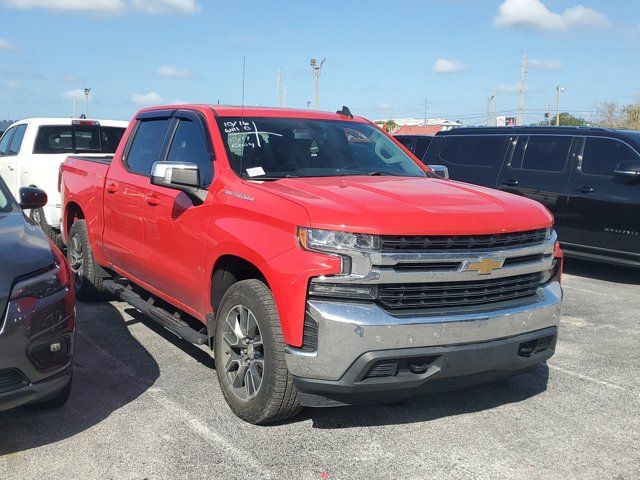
322,263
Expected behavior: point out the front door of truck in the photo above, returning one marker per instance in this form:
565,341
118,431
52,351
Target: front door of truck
9,157
539,169
604,208
125,195
175,228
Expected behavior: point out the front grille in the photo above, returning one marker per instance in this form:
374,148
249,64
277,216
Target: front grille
457,294
461,243
11,379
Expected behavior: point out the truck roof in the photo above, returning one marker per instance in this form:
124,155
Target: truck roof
39,121
253,111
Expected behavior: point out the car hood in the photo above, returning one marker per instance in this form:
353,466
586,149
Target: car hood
409,205
23,250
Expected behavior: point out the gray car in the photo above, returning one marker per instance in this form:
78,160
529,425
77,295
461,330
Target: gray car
37,305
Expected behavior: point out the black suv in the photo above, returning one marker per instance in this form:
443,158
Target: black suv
417,144
589,178
37,306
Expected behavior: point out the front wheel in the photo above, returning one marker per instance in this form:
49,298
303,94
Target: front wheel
249,355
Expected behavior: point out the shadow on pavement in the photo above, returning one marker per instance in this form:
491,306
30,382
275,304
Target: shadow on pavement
602,271
432,407
111,369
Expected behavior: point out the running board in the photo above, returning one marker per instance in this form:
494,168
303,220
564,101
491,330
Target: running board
157,314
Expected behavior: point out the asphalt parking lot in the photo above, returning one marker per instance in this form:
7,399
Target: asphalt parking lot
146,405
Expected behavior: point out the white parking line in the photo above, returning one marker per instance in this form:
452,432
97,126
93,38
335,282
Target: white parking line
589,379
241,456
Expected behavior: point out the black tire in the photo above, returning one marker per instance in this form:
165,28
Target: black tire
86,272
276,398
37,215
57,401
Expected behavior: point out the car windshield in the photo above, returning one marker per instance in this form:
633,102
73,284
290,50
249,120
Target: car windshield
273,148
5,203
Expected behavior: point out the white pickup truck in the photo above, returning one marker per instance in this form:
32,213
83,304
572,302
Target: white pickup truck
32,150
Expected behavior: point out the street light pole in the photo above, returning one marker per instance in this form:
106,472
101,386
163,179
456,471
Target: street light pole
317,70
559,90
87,91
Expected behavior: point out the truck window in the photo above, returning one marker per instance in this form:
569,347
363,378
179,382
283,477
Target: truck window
422,144
4,142
547,153
474,150
601,155
190,145
299,147
52,139
16,141
147,143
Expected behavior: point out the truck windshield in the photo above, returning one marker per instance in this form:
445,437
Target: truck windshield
273,148
77,139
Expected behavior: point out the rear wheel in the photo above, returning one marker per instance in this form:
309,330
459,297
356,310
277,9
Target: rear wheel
249,355
37,215
87,280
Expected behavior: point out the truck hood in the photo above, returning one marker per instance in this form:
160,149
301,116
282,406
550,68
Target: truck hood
23,250
409,206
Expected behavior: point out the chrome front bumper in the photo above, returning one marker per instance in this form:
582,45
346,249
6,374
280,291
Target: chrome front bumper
349,330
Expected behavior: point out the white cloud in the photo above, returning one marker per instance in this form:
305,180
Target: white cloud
151,98
544,64
6,45
442,65
76,93
13,84
171,72
179,102
534,15
509,88
103,7
164,7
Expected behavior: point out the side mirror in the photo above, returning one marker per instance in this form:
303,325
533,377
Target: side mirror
179,176
440,170
630,170
32,198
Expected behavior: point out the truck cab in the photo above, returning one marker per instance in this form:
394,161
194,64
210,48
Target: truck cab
32,150
317,257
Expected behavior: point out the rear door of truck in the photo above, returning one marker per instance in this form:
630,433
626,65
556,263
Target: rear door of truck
125,193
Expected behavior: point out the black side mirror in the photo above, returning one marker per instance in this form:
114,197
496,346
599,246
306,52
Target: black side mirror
32,198
630,170
179,176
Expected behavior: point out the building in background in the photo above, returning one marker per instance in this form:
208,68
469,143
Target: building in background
417,126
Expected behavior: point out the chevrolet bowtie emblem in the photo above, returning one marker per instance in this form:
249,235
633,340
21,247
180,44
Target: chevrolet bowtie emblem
486,265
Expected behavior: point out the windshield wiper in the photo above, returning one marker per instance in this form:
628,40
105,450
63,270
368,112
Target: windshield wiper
391,174
269,178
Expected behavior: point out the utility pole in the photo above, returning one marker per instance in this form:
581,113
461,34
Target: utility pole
495,109
559,90
285,93
317,70
425,111
491,120
87,91
279,99
486,122
547,111
522,87
73,99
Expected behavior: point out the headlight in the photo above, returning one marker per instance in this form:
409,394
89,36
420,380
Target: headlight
332,241
46,283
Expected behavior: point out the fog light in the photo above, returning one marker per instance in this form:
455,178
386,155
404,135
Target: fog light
55,347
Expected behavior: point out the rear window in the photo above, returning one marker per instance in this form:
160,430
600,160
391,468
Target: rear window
474,150
77,139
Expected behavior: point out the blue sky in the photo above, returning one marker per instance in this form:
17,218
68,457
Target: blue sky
383,58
